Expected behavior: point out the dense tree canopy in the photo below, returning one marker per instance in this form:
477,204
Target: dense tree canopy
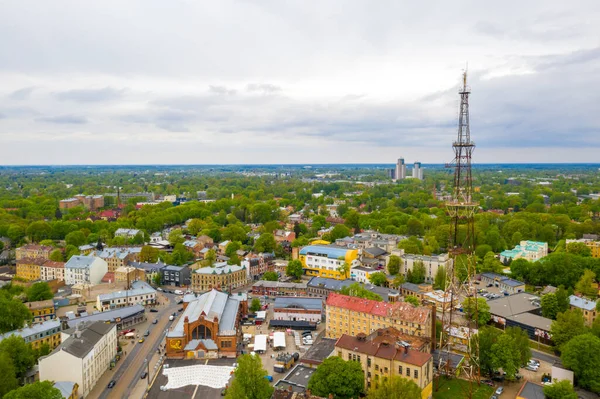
344,379
249,380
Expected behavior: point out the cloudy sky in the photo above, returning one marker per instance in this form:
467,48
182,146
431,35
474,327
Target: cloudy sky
271,81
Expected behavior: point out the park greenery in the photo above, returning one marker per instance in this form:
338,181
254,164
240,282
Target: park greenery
249,380
343,379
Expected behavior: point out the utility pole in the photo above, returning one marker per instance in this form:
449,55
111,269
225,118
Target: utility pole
461,209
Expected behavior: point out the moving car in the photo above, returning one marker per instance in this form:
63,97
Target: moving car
499,390
111,384
144,375
154,321
171,317
153,310
141,341
147,333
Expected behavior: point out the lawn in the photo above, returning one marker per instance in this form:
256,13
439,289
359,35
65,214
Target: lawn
455,388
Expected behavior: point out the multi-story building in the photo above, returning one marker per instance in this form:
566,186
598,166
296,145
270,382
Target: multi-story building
42,310
592,243
417,172
118,257
29,269
298,309
587,307
383,355
52,270
370,239
139,294
431,263
129,274
259,264
126,233
68,389
179,276
84,355
222,276
33,251
150,269
85,270
530,250
442,300
123,318
323,287
47,332
91,202
278,288
400,170
326,261
351,315
504,283
68,203
416,290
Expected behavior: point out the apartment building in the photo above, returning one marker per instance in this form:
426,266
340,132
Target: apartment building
296,308
126,233
91,202
326,260
42,310
431,263
29,269
222,276
351,316
83,356
504,283
33,251
278,288
52,270
383,355
257,265
47,332
139,294
178,276
129,274
118,257
530,250
85,270
587,307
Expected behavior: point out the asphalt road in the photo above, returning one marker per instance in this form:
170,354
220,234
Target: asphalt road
544,356
129,371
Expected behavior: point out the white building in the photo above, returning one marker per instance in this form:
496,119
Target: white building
431,263
400,169
83,357
362,274
51,270
530,250
417,172
85,270
126,233
140,293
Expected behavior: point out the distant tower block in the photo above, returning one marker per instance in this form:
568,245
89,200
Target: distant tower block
417,172
400,169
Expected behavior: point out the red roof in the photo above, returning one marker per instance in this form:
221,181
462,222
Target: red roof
384,347
398,310
51,263
108,277
108,214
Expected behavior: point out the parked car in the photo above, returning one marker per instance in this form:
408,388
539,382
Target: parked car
180,309
154,321
534,362
171,317
144,375
178,292
153,310
159,289
111,384
147,333
531,368
499,390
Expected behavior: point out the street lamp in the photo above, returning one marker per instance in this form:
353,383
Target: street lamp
147,366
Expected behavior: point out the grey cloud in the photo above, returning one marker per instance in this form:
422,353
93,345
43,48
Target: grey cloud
90,95
221,90
265,88
21,94
64,120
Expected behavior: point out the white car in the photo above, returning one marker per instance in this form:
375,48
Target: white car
171,318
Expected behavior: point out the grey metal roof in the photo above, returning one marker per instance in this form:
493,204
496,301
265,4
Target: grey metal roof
513,304
137,288
228,317
375,251
329,283
582,303
211,304
79,262
147,266
503,279
278,284
33,329
109,315
174,268
65,388
209,344
298,302
533,320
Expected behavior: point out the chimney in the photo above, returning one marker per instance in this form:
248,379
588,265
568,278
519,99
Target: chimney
406,349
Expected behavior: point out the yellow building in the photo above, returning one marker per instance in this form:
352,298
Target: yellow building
593,245
127,273
587,308
221,276
350,315
42,310
38,334
383,356
33,251
327,260
30,269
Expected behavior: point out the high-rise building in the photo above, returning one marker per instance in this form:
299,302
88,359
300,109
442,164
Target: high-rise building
400,169
417,172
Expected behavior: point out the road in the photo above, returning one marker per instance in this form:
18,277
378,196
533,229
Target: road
130,369
544,356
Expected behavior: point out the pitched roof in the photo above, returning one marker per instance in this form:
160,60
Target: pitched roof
582,303
298,303
385,347
90,335
397,310
80,262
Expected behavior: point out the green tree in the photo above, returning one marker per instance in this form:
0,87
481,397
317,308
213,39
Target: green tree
75,238
234,232
57,256
580,354
398,281
344,269
157,279
271,226
20,352
232,247
521,342
579,248
270,276
481,346
210,257
549,306
71,250
562,299
379,279
393,265
412,300
567,325
491,264
344,379
265,243
15,233
417,274
14,313
195,226
481,308
441,279
395,388
176,237
339,231
37,390
255,305
138,239
149,254
586,284
560,390
411,245
482,250
294,269
8,378
505,354
39,292
249,381
357,290
38,231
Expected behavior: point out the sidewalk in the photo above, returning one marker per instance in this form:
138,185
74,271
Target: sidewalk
142,386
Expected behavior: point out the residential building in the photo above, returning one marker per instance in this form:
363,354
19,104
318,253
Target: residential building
149,269
443,301
459,337
68,203
587,307
118,257
209,327
206,241
83,356
295,384
318,352
399,173
417,171
179,276
283,235
140,293
592,243
85,270
91,202
257,265
298,309
126,233
51,270
193,246
369,239
33,251
324,261
278,288
362,274
46,332
223,246
373,257
351,315
383,356
416,290
129,274
323,287
431,263
86,249
123,318
221,276
30,269
504,283
529,250
42,310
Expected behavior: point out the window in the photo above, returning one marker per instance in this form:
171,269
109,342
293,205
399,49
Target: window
349,356
416,374
369,362
385,370
399,370
408,371
225,344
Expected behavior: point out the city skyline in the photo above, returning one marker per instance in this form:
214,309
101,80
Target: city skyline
245,83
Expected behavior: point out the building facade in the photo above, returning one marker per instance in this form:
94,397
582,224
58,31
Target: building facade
504,283
118,257
431,263
129,274
298,309
44,333
278,288
33,251
85,270
178,276
51,270
592,244
222,276
587,308
325,261
351,316
139,294
529,250
42,310
83,356
30,269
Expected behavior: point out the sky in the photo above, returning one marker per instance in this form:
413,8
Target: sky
271,81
